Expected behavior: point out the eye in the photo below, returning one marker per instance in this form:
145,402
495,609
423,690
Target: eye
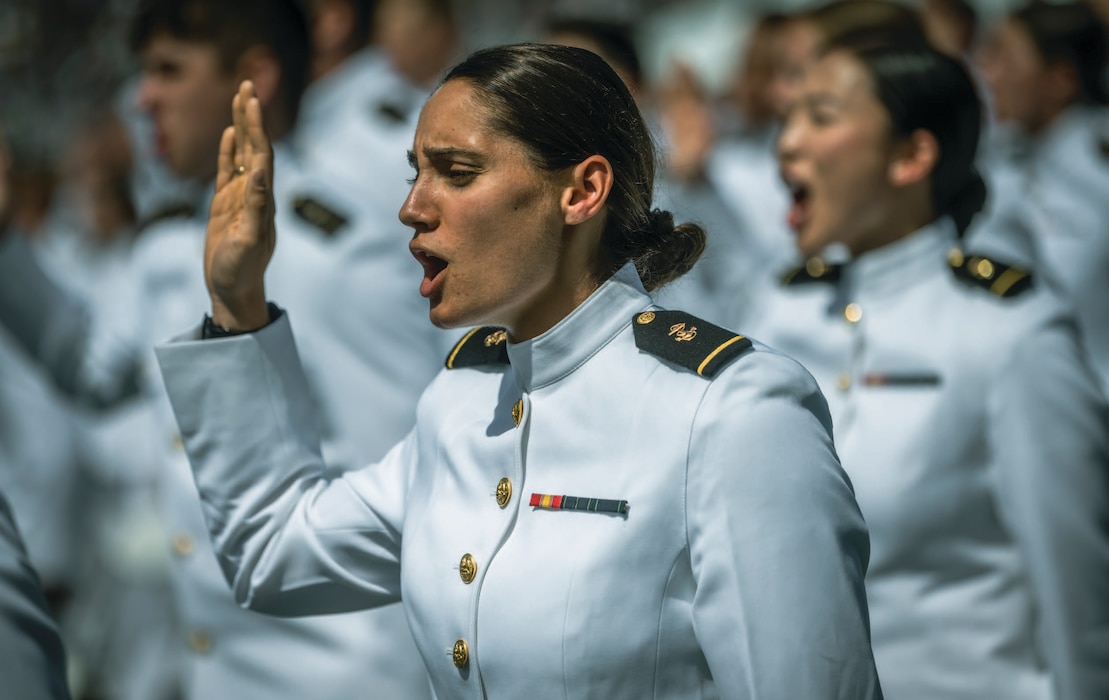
460,177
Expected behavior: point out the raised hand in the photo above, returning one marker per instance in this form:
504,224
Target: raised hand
241,234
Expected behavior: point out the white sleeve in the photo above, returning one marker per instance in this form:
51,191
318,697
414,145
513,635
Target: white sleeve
291,538
778,544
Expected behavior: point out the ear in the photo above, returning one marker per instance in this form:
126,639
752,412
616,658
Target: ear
585,196
914,158
1061,83
261,66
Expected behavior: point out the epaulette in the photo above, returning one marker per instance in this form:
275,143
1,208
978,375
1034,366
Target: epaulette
688,341
319,215
392,112
176,210
487,345
1003,280
814,270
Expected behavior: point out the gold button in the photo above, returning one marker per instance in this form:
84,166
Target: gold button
955,257
460,654
467,568
853,313
644,318
177,443
518,411
843,381
182,544
504,492
815,267
985,269
200,642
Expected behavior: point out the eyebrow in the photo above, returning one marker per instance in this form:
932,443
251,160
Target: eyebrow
446,153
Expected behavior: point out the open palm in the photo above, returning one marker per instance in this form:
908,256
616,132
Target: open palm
241,234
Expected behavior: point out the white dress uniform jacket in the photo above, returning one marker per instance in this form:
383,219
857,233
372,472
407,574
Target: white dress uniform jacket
735,571
973,431
229,652
1056,184
32,663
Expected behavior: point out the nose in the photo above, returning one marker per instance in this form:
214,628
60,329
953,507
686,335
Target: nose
789,138
146,94
417,212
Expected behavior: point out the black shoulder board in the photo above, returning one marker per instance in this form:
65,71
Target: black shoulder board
688,341
1003,280
176,210
487,345
394,113
320,216
814,270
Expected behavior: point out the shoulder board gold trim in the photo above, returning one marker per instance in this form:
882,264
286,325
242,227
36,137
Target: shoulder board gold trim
814,270
486,345
319,215
688,341
1000,279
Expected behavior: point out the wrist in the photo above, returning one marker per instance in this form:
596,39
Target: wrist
246,315
212,329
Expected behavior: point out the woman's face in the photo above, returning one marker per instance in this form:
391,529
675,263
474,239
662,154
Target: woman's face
1017,77
834,152
488,223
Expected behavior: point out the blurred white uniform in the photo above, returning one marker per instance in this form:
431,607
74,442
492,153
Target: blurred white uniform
702,588
1057,188
356,125
32,662
229,652
978,445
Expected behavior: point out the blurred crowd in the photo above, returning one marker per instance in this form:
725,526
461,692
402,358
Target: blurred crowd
111,154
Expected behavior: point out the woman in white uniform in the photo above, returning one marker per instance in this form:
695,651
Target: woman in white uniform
600,498
965,413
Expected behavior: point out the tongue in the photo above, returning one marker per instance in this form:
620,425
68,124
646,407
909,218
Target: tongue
796,215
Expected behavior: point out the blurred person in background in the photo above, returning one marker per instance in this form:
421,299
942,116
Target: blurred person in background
964,409
679,122
951,26
744,167
1046,68
194,55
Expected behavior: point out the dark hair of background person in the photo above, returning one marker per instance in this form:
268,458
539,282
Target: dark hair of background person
844,17
614,39
233,27
565,104
960,13
1070,33
923,88
760,64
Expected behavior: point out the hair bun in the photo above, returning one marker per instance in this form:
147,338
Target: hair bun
669,251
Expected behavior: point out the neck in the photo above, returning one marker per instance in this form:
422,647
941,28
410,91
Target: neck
906,215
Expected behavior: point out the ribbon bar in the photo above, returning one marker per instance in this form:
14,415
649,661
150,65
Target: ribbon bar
593,505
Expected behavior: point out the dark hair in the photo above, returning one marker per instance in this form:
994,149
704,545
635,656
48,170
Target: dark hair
233,27
1070,33
565,104
961,12
924,88
614,39
842,18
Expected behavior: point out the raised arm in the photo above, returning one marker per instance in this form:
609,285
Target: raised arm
241,233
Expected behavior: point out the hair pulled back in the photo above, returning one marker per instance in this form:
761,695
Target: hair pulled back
1071,33
923,88
565,104
233,28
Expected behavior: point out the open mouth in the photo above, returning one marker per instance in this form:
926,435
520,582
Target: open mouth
799,207
433,272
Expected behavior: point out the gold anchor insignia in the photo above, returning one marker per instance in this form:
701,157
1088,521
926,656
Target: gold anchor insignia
495,338
681,333
645,318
